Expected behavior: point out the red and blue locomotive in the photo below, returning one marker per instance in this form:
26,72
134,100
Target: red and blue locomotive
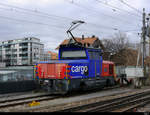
78,68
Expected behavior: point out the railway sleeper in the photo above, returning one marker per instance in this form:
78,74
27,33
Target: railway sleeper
110,106
122,104
104,104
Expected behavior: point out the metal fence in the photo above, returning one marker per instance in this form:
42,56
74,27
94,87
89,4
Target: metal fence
21,73
17,79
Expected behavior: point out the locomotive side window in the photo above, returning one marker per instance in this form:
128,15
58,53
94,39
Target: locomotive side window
110,69
94,55
91,55
105,69
77,54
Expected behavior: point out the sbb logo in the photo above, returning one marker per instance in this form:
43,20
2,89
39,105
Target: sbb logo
82,69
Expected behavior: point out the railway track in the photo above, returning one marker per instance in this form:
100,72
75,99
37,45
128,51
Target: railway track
121,104
133,105
13,94
39,98
25,100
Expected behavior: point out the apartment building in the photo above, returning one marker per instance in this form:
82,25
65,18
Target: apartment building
26,51
46,56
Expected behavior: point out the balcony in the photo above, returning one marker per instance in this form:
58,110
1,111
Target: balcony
23,47
25,62
7,48
14,58
25,57
8,52
11,58
7,58
24,52
14,52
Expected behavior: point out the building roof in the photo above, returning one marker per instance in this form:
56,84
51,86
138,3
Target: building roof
21,40
88,40
108,62
53,55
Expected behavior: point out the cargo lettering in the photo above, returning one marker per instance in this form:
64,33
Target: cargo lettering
81,69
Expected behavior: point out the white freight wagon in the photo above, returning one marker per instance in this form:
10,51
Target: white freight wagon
134,72
126,74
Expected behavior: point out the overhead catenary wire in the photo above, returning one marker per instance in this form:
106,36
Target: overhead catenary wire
33,11
33,22
94,11
39,23
98,12
20,20
130,6
106,4
49,15
38,13
50,25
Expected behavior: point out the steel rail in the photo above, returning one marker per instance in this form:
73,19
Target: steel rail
123,104
137,104
22,98
26,101
106,105
45,97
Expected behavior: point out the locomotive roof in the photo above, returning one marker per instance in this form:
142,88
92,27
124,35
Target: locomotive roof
64,61
108,62
77,46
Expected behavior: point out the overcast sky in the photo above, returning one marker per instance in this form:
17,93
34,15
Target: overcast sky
49,20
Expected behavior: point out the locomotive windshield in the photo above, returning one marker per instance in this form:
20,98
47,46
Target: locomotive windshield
77,54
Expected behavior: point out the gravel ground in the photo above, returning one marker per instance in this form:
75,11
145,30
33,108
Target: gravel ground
144,109
65,100
72,101
19,95
69,101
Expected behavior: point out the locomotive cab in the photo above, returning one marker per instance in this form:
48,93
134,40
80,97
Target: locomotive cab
88,60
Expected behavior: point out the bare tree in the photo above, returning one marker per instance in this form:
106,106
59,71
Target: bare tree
118,42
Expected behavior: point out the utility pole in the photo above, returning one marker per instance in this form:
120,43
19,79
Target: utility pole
148,30
148,35
144,43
